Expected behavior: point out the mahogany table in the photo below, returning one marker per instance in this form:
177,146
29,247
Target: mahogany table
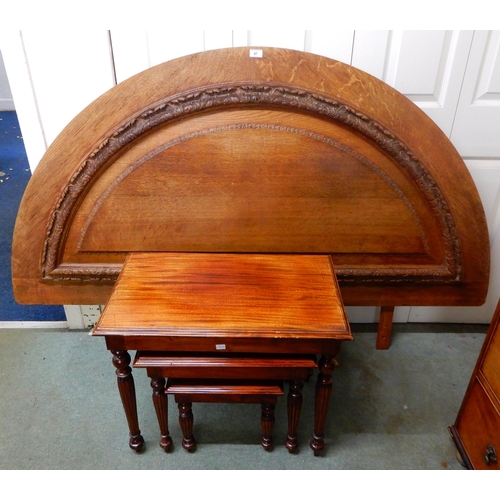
225,303
226,378
188,391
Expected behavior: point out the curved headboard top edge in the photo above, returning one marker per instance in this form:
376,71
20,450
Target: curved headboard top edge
360,92
289,68
232,68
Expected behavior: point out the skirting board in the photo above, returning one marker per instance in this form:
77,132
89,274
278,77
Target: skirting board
33,324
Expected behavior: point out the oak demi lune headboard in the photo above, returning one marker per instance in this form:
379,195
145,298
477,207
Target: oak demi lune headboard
223,152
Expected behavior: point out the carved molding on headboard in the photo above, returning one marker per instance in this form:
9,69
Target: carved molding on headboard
249,95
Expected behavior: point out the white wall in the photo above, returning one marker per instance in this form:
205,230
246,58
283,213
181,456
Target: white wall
6,100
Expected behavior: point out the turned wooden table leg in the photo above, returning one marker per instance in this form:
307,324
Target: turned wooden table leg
186,423
161,407
267,422
126,387
294,407
323,396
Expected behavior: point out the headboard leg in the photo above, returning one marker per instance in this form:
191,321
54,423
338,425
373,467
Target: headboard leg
384,327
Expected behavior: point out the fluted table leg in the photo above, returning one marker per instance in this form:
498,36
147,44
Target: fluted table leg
161,407
126,387
186,423
294,408
267,422
323,396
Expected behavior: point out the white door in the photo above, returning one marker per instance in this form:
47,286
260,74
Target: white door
426,66
477,124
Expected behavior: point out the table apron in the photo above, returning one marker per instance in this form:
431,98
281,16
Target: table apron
224,344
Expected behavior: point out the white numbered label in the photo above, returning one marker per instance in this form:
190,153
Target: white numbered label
256,52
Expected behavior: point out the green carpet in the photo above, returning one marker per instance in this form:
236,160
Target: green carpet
390,410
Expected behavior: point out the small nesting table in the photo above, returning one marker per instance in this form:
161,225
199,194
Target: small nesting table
201,304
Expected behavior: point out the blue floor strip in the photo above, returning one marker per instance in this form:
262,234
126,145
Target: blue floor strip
14,176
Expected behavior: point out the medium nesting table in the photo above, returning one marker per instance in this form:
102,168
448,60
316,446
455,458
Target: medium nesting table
202,306
226,378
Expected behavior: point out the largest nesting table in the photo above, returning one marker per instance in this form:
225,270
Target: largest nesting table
258,304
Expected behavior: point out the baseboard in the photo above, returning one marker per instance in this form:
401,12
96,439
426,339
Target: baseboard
33,324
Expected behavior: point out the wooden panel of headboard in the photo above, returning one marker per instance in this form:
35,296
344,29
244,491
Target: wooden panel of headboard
222,152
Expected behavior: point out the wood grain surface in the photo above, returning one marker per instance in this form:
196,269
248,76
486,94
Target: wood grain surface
214,294
224,153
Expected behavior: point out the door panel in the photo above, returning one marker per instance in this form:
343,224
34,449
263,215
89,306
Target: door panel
476,132
68,69
370,50
336,44
427,67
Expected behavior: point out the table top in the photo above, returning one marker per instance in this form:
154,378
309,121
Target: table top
208,295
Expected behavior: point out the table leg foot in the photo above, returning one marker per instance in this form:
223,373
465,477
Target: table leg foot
186,423
126,388
136,443
294,408
317,444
